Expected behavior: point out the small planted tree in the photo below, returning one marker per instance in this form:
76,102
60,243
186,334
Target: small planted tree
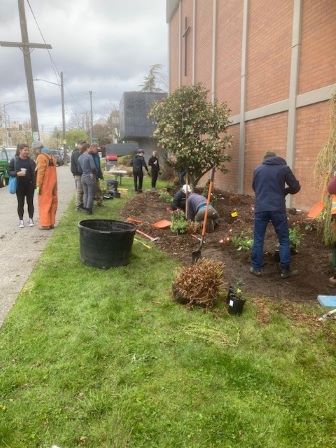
193,130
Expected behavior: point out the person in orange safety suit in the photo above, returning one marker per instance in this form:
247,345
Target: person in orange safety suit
46,186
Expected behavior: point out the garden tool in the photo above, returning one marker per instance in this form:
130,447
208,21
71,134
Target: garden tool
186,203
330,314
147,236
196,254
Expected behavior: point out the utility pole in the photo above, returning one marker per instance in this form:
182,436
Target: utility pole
25,46
63,121
91,118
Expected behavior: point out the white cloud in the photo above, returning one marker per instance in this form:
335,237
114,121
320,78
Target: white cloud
105,46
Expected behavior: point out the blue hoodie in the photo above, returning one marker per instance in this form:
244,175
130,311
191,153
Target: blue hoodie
269,184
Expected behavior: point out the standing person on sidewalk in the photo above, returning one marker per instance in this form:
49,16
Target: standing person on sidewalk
98,193
89,169
77,174
272,181
138,164
23,167
153,162
46,186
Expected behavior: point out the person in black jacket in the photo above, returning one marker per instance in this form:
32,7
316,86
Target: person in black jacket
138,164
272,181
153,162
23,167
77,173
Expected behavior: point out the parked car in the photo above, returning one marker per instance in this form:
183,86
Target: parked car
6,155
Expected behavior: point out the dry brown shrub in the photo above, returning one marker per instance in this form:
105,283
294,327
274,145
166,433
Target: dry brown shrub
199,284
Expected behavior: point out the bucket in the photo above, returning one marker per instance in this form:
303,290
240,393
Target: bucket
236,305
105,243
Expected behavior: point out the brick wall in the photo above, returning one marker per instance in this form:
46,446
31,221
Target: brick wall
187,11
318,45
268,52
262,135
229,181
312,133
204,42
174,51
228,57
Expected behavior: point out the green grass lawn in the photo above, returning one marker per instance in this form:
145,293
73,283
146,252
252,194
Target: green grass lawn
106,359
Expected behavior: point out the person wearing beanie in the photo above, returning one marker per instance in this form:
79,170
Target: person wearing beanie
272,181
46,186
179,199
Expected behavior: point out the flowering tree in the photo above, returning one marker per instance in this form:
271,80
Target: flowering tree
192,131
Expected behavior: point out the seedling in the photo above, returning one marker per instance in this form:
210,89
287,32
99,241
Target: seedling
242,242
179,223
166,197
295,237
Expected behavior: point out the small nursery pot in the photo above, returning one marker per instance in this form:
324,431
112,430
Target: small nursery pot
236,305
230,294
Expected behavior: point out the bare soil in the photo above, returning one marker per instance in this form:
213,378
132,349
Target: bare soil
312,259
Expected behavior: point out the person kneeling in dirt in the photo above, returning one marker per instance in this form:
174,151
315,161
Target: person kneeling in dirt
179,199
196,208
269,184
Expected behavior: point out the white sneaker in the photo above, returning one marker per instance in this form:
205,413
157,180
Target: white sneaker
31,223
21,224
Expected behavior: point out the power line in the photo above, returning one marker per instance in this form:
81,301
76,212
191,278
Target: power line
53,65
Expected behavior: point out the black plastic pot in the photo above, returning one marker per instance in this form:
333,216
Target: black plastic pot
105,243
230,294
236,305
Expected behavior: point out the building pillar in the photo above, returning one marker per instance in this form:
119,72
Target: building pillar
241,164
293,84
293,87
193,76
214,46
180,45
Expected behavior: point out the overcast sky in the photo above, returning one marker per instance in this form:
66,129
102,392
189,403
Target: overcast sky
105,46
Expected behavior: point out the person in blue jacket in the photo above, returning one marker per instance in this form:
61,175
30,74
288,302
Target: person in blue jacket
272,181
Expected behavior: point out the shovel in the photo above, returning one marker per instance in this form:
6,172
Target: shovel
196,254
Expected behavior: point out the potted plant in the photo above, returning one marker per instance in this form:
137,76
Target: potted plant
235,298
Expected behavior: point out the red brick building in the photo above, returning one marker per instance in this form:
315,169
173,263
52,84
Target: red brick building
274,63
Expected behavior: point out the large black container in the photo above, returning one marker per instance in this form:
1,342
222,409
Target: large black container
105,243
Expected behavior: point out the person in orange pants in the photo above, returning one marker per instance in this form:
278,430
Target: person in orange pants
46,186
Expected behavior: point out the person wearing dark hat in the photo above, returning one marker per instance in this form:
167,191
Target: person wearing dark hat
138,165
272,181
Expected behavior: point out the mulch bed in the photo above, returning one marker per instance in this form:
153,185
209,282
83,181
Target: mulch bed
312,261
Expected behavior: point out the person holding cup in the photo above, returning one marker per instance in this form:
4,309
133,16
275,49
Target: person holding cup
23,167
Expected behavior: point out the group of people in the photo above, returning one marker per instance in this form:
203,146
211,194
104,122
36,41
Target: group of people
139,164
39,177
87,172
273,180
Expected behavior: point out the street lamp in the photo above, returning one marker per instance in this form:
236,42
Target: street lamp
5,117
63,110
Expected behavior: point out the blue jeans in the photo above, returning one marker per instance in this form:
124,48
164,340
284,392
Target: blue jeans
280,224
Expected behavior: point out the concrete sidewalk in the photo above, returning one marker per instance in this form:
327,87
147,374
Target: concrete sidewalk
21,248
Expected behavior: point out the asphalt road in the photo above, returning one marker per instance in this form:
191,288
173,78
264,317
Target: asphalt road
21,248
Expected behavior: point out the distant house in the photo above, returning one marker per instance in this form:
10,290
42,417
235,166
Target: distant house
135,126
121,149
